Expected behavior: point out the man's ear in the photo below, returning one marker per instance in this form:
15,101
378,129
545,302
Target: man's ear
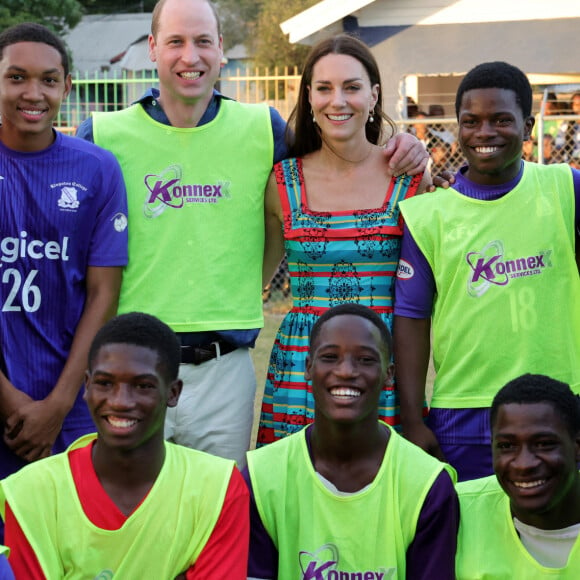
152,48
308,367
174,392
67,86
528,126
87,379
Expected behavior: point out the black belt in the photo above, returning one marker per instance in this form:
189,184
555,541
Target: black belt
197,355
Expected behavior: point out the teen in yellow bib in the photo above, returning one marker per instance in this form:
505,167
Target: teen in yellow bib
125,503
347,497
523,522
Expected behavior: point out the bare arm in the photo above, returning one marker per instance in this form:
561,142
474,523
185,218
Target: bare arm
11,398
412,346
31,430
274,243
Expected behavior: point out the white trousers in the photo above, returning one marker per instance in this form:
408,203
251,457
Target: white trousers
215,412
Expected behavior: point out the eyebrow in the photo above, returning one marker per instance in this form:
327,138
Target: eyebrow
345,81
20,69
532,435
138,377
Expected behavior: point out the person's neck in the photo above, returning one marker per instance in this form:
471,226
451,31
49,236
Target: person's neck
566,513
183,115
32,143
347,443
128,467
349,456
345,156
489,179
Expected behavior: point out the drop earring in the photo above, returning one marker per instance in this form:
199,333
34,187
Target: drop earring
371,118
313,117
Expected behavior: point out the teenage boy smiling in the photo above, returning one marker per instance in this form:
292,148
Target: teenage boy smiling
527,515
493,262
63,243
125,503
318,492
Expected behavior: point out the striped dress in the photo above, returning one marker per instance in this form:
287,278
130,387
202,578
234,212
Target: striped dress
333,258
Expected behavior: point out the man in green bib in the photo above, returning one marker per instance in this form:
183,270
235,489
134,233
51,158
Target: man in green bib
523,523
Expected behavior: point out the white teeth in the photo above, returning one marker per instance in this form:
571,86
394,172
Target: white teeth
339,117
36,113
121,423
486,149
529,484
344,392
190,75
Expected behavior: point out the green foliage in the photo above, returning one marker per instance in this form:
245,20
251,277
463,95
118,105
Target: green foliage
58,15
271,46
238,19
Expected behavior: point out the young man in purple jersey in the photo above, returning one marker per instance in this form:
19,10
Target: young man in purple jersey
492,261
63,243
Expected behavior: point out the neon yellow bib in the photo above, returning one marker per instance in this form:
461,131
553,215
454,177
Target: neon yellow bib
508,290
317,531
161,538
196,214
488,544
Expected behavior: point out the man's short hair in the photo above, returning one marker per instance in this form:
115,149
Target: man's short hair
33,32
529,389
497,75
155,17
354,309
140,329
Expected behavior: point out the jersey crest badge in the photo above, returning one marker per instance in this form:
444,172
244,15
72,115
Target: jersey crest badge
68,198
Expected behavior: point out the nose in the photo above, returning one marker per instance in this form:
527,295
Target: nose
189,54
485,129
33,91
121,397
525,459
338,99
346,367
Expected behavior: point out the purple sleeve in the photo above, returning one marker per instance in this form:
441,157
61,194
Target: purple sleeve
415,284
263,558
85,130
576,179
109,239
432,551
5,570
279,133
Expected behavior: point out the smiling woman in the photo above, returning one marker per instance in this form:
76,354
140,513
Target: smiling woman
333,207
